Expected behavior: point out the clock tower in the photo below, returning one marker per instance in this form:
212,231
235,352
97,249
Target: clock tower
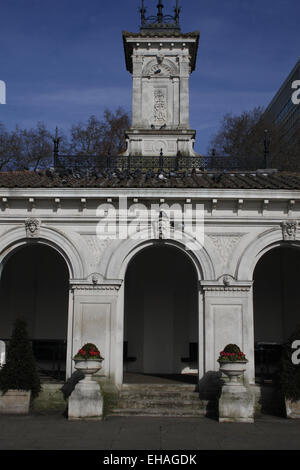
160,58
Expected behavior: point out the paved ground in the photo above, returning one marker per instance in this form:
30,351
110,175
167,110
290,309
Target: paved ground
54,432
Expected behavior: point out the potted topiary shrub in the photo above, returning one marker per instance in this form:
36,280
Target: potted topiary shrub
19,379
290,375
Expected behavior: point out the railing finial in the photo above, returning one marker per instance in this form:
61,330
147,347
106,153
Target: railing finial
56,142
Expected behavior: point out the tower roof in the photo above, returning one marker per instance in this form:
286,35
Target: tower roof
130,41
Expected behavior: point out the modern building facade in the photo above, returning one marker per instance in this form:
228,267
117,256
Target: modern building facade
282,110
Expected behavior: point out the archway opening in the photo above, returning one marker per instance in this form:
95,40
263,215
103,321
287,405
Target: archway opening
276,304
35,285
161,317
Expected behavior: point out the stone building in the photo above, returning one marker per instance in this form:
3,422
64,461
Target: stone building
83,261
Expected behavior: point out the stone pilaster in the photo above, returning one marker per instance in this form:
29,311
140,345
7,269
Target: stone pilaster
228,318
94,310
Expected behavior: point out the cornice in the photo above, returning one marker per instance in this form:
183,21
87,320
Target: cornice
100,286
181,193
226,284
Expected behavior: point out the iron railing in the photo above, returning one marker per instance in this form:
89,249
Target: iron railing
161,162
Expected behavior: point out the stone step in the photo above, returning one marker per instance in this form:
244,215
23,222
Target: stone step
161,400
160,403
160,395
177,412
158,387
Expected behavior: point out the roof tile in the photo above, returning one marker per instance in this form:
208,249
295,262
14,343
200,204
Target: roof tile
238,180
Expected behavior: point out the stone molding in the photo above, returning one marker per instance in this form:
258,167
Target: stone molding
226,283
93,286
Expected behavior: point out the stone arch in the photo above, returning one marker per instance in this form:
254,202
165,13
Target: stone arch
263,243
15,239
114,265
167,65
116,260
161,312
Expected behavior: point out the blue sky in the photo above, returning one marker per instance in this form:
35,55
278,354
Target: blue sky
63,60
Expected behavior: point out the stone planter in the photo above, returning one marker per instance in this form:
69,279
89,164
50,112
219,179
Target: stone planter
292,409
88,367
234,371
86,400
236,403
15,402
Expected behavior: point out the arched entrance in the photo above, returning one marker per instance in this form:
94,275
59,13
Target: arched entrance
161,316
35,285
276,305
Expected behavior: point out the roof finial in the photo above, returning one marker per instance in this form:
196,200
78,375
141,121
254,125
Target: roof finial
177,10
143,13
160,21
56,141
160,15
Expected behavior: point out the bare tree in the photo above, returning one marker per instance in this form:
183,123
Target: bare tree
86,138
243,137
33,148
102,138
25,149
115,125
37,147
11,148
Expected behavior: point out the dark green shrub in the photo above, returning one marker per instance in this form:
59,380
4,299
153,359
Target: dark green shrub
19,372
290,373
232,348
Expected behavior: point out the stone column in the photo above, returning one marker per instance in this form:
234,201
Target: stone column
137,63
184,92
176,101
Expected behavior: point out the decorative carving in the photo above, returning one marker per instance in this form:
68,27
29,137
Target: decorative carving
160,57
96,245
32,227
227,280
95,279
162,227
159,145
225,243
166,66
289,230
160,106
